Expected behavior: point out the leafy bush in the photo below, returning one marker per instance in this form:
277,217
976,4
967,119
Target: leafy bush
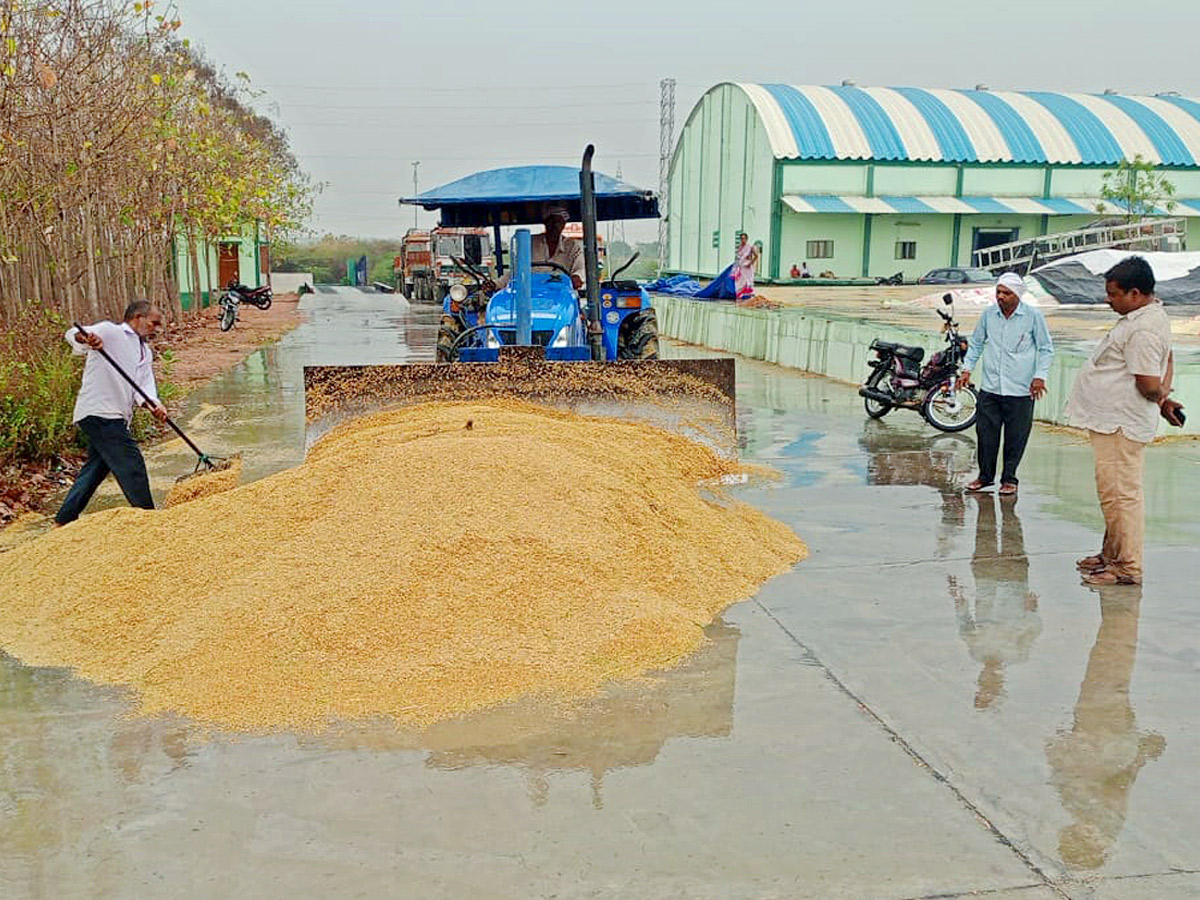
39,378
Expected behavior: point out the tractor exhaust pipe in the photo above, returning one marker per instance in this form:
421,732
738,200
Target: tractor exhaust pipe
591,259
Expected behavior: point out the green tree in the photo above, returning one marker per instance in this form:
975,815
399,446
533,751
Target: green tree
1136,189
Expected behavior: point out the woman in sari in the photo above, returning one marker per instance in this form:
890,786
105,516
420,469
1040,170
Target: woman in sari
743,268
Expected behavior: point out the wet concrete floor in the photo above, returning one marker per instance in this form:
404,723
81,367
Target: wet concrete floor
930,706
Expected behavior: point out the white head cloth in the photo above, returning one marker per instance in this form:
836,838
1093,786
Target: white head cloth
1013,282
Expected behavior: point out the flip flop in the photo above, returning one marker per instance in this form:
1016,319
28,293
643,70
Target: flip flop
1090,563
1109,577
1007,490
976,486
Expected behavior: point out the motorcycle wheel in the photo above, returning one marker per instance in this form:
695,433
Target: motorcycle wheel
264,303
950,415
448,331
880,380
228,316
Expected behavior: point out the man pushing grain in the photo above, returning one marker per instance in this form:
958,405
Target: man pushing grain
104,407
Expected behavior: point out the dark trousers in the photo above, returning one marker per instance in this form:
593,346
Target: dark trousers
1013,416
111,448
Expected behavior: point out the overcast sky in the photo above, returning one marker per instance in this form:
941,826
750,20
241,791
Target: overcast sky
366,87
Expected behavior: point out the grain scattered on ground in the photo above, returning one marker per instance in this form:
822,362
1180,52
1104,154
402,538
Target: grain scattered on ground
411,568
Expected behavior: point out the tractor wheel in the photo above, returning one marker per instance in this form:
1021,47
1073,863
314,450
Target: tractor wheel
448,331
639,337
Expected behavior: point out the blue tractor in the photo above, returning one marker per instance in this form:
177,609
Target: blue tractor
539,306
539,338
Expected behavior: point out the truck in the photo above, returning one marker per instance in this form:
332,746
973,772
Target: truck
412,269
473,245
425,269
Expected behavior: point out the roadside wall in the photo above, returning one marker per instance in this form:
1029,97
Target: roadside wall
289,282
835,346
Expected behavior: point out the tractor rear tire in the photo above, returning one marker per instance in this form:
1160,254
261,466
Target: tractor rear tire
640,337
448,332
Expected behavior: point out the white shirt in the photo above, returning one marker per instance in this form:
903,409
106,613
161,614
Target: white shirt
105,394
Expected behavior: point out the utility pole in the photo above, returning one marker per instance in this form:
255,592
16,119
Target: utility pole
415,164
666,141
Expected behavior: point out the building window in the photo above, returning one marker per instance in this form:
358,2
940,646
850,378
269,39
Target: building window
819,249
906,249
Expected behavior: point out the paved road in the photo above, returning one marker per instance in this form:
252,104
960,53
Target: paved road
930,706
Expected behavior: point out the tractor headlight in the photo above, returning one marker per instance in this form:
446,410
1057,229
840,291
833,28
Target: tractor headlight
458,293
563,337
492,340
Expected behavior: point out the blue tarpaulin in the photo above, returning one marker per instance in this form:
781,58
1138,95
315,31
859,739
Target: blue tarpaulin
720,288
517,195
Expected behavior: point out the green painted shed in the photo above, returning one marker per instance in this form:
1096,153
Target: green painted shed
866,181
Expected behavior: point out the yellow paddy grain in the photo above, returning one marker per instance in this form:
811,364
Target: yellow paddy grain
412,567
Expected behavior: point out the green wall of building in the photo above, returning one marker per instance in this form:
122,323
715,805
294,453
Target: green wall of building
724,178
721,181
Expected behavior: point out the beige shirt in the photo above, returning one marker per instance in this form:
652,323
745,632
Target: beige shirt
1105,397
569,255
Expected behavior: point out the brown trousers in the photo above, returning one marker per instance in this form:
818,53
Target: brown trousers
1119,483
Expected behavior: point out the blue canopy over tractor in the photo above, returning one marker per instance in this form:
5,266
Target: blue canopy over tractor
518,194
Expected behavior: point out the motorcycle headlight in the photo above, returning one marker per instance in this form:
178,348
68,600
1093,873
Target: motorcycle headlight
458,293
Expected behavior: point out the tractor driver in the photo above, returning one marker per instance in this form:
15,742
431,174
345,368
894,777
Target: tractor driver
551,246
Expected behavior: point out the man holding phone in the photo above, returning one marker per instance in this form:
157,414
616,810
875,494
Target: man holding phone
1118,397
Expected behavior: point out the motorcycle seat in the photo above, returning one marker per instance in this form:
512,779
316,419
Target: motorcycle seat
916,354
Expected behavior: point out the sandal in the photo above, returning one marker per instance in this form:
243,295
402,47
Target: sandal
1007,490
975,486
1109,577
1090,563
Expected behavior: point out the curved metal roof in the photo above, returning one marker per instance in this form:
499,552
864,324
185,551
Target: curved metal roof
942,125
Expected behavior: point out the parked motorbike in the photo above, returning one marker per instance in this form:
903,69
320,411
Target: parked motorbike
898,380
236,294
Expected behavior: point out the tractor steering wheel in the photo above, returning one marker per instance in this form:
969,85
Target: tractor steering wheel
552,265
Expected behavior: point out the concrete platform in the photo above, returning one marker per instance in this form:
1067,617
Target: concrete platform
930,706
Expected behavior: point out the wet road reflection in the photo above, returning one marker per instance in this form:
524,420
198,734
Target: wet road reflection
900,456
1096,760
998,620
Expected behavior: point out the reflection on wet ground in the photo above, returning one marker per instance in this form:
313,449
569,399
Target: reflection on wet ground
998,620
927,627
1095,762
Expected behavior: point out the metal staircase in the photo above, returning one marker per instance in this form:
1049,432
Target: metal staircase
1023,256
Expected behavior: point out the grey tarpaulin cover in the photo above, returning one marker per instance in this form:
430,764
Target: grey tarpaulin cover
1080,278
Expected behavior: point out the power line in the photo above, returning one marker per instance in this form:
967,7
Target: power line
479,89
475,106
560,123
532,159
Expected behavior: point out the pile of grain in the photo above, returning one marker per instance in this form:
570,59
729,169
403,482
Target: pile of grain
419,564
223,477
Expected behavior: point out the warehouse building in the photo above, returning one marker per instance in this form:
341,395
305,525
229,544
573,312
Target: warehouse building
865,182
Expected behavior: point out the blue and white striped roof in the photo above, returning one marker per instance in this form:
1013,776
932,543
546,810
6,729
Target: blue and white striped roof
942,125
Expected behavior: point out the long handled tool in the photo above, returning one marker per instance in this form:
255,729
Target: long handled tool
205,462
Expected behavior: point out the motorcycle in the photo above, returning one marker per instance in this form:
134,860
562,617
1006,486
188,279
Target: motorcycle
237,294
899,381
